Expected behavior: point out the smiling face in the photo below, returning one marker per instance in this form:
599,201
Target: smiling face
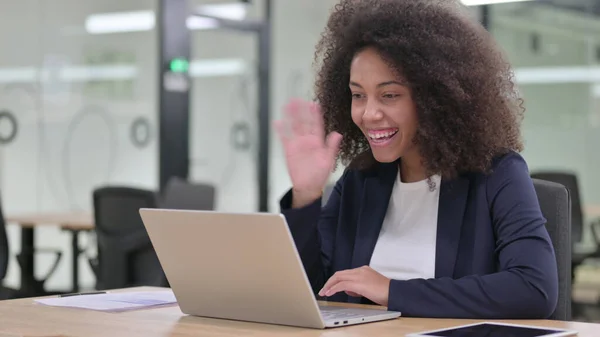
382,107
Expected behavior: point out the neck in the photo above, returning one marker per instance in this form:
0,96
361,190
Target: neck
411,169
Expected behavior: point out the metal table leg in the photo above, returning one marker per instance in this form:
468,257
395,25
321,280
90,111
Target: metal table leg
75,260
28,286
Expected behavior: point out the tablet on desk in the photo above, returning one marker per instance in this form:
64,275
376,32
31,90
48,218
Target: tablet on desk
489,329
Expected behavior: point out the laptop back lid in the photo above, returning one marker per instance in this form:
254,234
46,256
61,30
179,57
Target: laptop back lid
233,266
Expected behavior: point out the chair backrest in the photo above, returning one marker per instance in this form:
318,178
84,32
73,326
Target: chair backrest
555,203
4,253
180,194
126,257
568,180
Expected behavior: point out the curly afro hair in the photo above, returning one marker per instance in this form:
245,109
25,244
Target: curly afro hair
468,109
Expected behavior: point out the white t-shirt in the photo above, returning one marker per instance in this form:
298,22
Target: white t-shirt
407,241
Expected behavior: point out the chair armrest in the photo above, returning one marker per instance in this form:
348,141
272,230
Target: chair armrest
58,255
57,252
94,265
595,228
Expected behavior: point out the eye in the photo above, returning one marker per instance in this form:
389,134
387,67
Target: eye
357,96
390,96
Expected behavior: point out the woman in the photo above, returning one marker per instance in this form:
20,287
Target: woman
435,215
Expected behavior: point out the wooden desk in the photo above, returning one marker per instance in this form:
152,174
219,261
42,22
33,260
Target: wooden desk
73,222
77,221
25,318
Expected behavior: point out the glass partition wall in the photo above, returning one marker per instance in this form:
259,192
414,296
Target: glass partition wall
77,110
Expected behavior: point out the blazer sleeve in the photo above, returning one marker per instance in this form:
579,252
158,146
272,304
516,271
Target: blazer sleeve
313,228
526,285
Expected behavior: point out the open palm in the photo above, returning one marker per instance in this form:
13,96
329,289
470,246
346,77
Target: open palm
310,156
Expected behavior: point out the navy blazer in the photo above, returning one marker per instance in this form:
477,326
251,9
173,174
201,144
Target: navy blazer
494,257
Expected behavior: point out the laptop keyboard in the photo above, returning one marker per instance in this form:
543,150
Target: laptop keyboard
340,313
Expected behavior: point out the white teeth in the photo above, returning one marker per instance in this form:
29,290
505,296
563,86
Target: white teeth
382,135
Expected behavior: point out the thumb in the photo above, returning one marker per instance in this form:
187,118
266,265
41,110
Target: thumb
352,294
332,143
279,127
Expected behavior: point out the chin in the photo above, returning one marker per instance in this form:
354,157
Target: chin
385,156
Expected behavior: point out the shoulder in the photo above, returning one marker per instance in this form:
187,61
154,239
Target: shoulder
509,175
508,166
509,161
504,166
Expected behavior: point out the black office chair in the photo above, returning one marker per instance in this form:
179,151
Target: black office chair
180,194
555,202
32,286
569,180
126,257
5,293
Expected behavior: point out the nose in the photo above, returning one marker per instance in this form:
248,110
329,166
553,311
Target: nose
372,111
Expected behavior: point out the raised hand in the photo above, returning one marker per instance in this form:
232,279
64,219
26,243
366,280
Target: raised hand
309,154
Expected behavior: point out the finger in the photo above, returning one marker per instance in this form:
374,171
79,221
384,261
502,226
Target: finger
332,280
317,126
309,125
284,126
333,142
279,126
295,118
340,276
337,277
345,286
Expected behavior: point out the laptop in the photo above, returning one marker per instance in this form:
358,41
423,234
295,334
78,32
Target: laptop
242,267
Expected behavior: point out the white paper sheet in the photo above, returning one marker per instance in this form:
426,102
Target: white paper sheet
113,302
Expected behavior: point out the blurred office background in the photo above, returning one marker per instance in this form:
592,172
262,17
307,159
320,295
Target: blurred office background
80,107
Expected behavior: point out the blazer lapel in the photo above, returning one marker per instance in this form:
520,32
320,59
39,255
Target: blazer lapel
375,199
453,200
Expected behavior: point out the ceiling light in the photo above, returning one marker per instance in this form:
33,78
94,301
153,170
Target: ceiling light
488,2
198,22
230,11
568,74
18,75
98,73
217,67
116,72
125,22
120,22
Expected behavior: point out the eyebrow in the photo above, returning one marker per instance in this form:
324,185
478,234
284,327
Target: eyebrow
382,84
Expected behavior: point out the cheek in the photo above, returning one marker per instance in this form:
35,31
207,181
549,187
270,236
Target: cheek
412,123
356,116
410,119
